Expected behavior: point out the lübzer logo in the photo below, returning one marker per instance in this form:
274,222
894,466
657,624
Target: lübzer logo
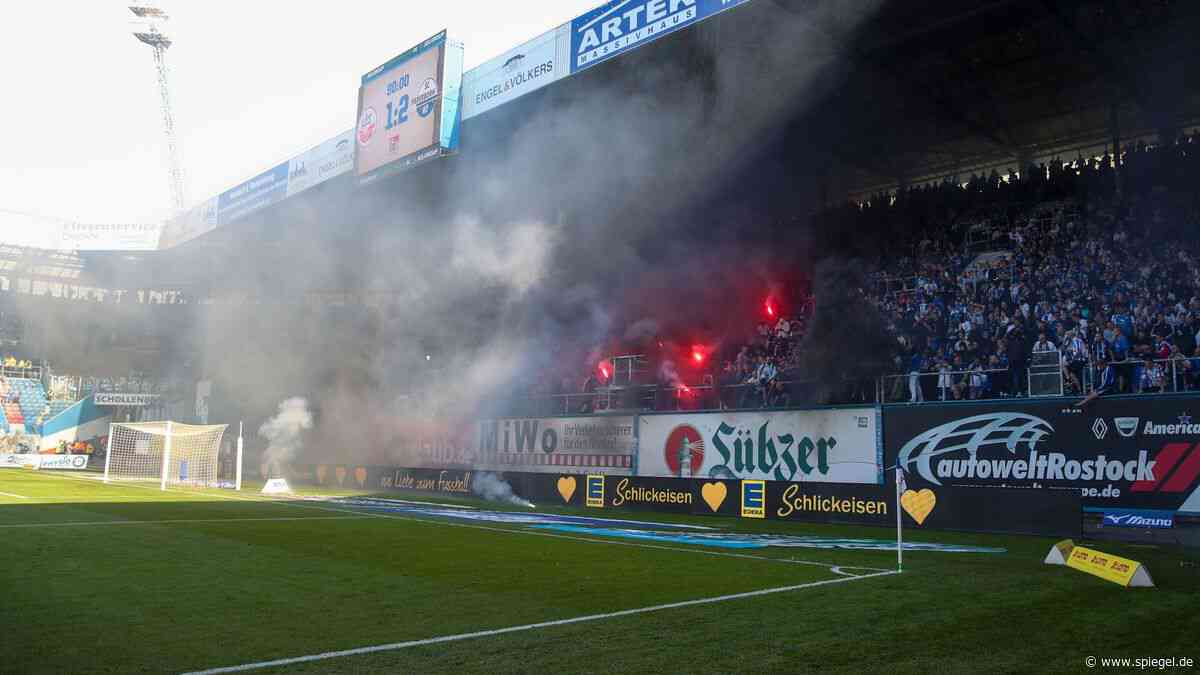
1013,432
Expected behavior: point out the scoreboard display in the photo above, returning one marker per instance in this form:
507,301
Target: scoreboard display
408,109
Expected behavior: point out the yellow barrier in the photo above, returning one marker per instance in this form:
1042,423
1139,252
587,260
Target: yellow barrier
1114,568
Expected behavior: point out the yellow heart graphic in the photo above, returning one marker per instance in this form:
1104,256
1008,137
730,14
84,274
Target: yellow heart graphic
322,470
566,487
360,475
714,495
341,474
918,504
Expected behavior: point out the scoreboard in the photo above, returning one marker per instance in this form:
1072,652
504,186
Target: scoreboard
409,109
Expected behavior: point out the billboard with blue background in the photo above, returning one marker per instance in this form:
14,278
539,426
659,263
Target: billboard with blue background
621,25
259,192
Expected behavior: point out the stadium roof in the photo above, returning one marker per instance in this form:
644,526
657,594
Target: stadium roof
919,90
936,87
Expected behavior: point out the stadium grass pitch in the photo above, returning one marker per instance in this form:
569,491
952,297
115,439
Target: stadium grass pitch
106,578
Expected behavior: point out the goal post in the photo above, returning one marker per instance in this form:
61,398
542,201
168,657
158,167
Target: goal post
168,453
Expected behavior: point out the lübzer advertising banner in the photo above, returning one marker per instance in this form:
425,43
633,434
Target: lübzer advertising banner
1133,453
825,446
597,445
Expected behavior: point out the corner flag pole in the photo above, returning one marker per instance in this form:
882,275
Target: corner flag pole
900,488
238,480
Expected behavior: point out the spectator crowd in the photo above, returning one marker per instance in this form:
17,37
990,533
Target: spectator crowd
1066,278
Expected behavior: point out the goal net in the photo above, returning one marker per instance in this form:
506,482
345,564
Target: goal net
168,453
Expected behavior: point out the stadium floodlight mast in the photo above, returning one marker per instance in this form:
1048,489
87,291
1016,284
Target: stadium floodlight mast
151,21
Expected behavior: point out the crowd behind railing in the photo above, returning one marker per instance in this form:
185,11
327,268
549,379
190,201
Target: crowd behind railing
1070,279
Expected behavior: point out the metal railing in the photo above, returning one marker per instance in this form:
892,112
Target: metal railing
30,373
1178,375
951,385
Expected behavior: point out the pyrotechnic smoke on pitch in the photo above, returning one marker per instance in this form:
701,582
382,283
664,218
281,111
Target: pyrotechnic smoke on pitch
494,489
285,433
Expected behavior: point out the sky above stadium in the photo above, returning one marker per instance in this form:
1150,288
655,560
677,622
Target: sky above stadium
253,83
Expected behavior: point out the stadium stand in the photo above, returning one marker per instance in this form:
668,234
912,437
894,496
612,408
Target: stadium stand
1063,264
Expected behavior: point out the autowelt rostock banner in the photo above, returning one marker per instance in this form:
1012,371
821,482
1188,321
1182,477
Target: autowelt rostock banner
824,446
1132,453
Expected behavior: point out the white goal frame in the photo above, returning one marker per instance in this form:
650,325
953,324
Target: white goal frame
169,453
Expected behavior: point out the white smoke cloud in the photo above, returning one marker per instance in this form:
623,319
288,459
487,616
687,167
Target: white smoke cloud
284,432
493,488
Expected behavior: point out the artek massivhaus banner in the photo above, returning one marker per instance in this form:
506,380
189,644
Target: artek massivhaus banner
1142,453
557,445
830,446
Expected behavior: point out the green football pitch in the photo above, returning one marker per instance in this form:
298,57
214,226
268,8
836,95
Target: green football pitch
107,578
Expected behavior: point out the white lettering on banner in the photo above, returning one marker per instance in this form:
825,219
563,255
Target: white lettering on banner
831,446
118,399
609,32
1180,429
1050,466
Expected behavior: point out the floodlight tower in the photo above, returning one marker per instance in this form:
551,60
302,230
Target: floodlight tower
150,31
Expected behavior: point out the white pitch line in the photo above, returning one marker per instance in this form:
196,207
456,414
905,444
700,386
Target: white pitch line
174,521
527,627
9,494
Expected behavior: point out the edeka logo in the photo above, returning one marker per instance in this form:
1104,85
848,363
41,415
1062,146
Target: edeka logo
744,452
594,491
795,501
643,495
754,499
623,24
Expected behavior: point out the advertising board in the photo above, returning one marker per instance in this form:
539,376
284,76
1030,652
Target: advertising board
112,398
265,189
1002,510
71,462
408,108
328,160
622,25
525,69
1139,453
832,446
200,219
109,236
580,445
